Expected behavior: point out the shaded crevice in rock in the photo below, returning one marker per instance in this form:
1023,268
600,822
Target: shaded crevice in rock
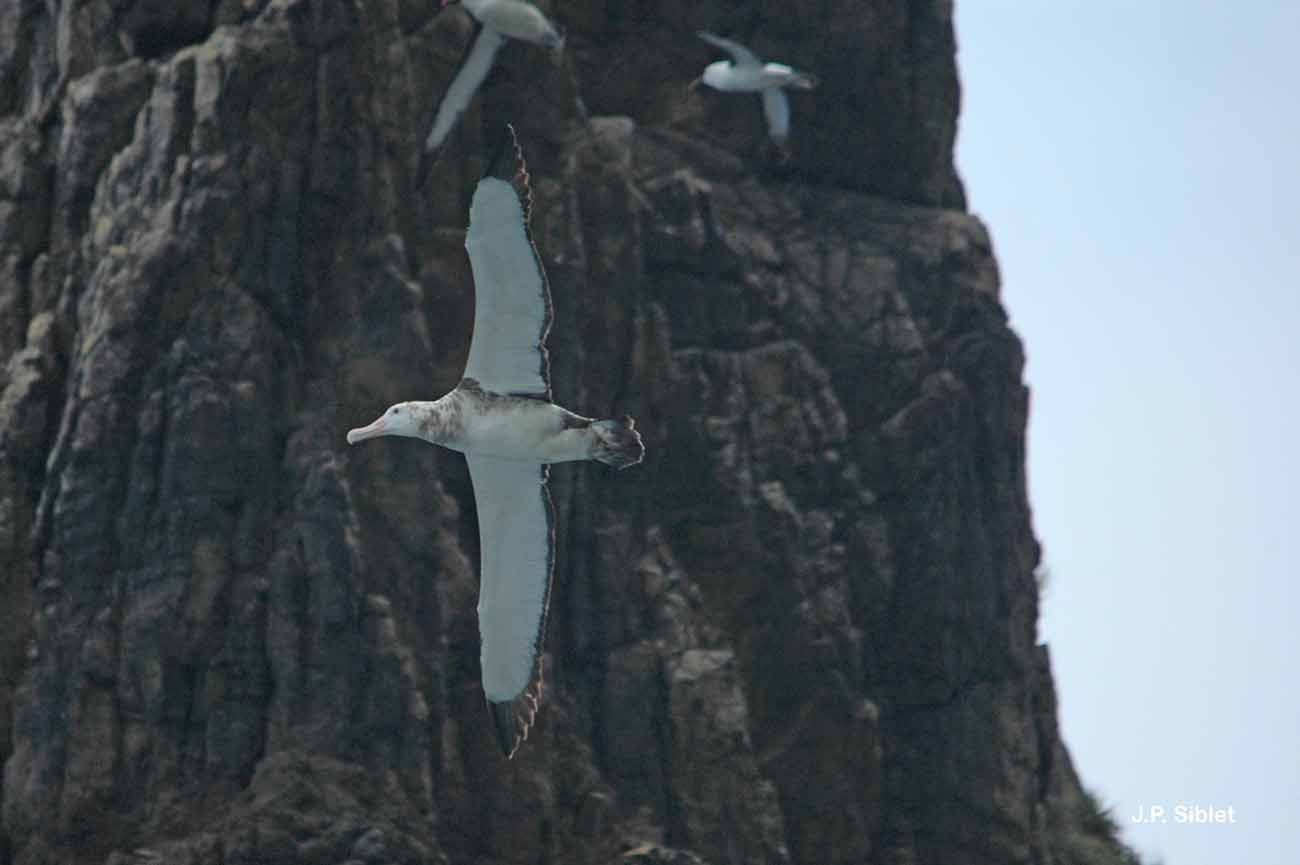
99,112
666,686
27,402
44,45
18,37
26,212
152,28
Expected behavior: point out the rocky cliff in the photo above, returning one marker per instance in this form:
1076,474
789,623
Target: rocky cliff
803,631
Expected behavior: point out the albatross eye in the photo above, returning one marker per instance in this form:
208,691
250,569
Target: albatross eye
394,410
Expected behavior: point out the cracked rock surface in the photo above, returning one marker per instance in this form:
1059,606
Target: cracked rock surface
802,631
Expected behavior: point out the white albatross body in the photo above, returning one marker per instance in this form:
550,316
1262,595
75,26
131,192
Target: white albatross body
498,21
746,73
502,418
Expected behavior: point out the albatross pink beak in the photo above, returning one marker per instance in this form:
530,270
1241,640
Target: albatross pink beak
366,432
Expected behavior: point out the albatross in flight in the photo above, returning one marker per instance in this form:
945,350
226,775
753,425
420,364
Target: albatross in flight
501,417
745,73
497,20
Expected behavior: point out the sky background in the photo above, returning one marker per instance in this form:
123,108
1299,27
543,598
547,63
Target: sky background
1137,164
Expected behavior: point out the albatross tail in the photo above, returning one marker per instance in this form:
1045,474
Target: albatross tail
616,442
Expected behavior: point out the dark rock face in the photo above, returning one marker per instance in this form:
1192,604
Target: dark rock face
802,631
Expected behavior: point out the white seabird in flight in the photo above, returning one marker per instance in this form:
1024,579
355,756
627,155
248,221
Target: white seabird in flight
496,20
745,73
502,418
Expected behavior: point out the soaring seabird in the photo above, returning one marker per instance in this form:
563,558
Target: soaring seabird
502,418
496,20
745,73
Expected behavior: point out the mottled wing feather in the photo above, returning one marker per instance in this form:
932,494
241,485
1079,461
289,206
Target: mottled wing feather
516,524
473,69
512,300
741,55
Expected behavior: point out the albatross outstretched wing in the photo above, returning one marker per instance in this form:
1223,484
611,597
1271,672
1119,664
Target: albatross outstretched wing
739,53
516,529
473,69
776,107
512,301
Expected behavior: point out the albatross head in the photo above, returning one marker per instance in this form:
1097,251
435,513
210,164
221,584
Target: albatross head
404,419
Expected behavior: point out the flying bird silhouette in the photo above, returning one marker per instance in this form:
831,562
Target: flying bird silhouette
496,21
502,418
745,73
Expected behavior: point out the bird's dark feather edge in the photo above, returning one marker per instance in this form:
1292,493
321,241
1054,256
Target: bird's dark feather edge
512,719
508,165
429,158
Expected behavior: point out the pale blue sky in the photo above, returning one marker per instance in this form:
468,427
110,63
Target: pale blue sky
1137,164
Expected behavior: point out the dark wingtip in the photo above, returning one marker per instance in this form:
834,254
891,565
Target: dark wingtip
513,719
503,721
508,158
508,164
